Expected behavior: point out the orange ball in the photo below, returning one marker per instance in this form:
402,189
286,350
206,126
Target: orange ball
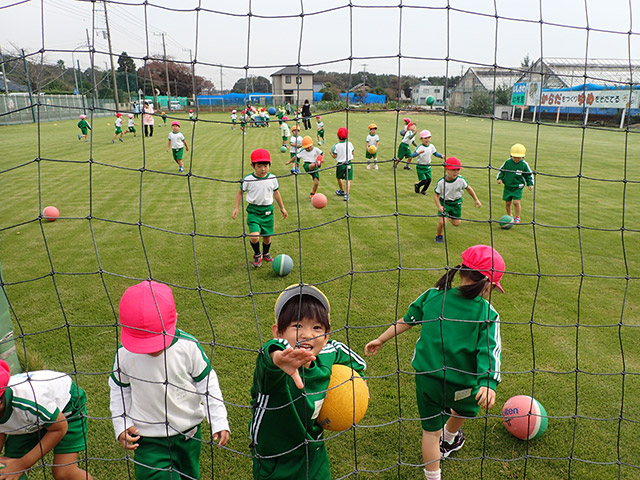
50,213
319,200
346,401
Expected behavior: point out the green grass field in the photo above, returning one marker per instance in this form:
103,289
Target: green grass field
570,328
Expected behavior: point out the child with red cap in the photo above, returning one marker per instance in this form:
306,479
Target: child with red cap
118,124
343,153
458,355
177,143
41,411
448,196
262,188
162,387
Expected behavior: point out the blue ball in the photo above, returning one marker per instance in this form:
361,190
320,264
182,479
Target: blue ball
272,111
282,264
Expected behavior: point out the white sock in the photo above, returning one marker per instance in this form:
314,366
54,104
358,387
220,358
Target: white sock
448,436
432,474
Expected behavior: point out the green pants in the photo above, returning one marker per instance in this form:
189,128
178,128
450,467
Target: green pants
293,465
169,458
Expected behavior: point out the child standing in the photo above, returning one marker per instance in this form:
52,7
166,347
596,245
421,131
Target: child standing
515,174
191,117
295,145
404,149
262,188
343,153
164,117
284,132
177,143
289,386
118,124
234,119
131,126
372,141
84,127
312,158
458,355
448,196
41,411
320,134
423,162
162,387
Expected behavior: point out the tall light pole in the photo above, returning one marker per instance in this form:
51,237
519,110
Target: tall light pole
113,70
166,68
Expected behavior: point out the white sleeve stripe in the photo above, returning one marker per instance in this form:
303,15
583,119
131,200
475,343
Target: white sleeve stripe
260,408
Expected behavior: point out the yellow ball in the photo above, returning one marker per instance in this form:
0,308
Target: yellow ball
372,149
346,402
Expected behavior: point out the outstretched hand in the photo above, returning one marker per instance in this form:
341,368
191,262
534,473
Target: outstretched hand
290,360
373,347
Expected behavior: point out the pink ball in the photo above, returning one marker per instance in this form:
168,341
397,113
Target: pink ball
524,417
50,213
319,200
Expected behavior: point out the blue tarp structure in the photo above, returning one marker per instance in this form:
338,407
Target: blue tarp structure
581,110
367,98
235,99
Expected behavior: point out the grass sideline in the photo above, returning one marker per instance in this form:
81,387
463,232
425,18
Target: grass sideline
568,327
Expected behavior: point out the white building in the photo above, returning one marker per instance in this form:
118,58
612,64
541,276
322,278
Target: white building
423,90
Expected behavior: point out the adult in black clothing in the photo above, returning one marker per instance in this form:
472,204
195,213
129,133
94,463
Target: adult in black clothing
306,115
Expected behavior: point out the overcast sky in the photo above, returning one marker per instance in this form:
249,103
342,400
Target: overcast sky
373,32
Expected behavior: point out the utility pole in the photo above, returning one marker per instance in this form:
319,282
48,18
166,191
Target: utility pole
192,70
113,70
364,74
166,68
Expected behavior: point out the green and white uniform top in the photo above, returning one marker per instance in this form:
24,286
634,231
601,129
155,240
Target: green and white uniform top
408,137
131,122
34,399
372,140
309,156
451,191
177,140
118,122
260,190
283,416
234,117
84,124
425,153
167,394
284,130
295,143
320,125
459,339
343,152
515,175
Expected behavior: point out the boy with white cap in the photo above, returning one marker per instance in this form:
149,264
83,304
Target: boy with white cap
162,387
423,162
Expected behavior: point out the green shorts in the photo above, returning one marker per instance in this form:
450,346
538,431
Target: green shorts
314,465
75,440
285,138
512,193
370,155
177,153
118,130
260,219
404,151
423,171
344,171
293,155
84,131
132,129
314,173
156,455
452,209
321,133
436,399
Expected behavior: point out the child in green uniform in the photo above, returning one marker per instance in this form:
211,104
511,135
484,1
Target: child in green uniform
312,158
343,153
289,386
164,118
262,188
84,127
372,143
457,357
177,143
515,174
320,134
41,411
118,125
404,149
423,162
448,196
131,126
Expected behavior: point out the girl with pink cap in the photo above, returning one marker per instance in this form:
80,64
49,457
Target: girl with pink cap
458,355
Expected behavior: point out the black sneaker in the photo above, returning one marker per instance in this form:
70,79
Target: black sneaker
439,239
407,167
416,187
447,448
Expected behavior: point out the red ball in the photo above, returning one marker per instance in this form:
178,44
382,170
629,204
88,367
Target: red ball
319,200
524,417
50,213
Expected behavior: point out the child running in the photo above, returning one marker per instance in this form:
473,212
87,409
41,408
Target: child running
118,125
234,119
284,132
177,143
448,196
423,162
320,126
164,117
289,386
343,153
295,146
404,149
457,357
372,146
515,174
131,126
162,387
84,127
312,158
41,411
262,188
